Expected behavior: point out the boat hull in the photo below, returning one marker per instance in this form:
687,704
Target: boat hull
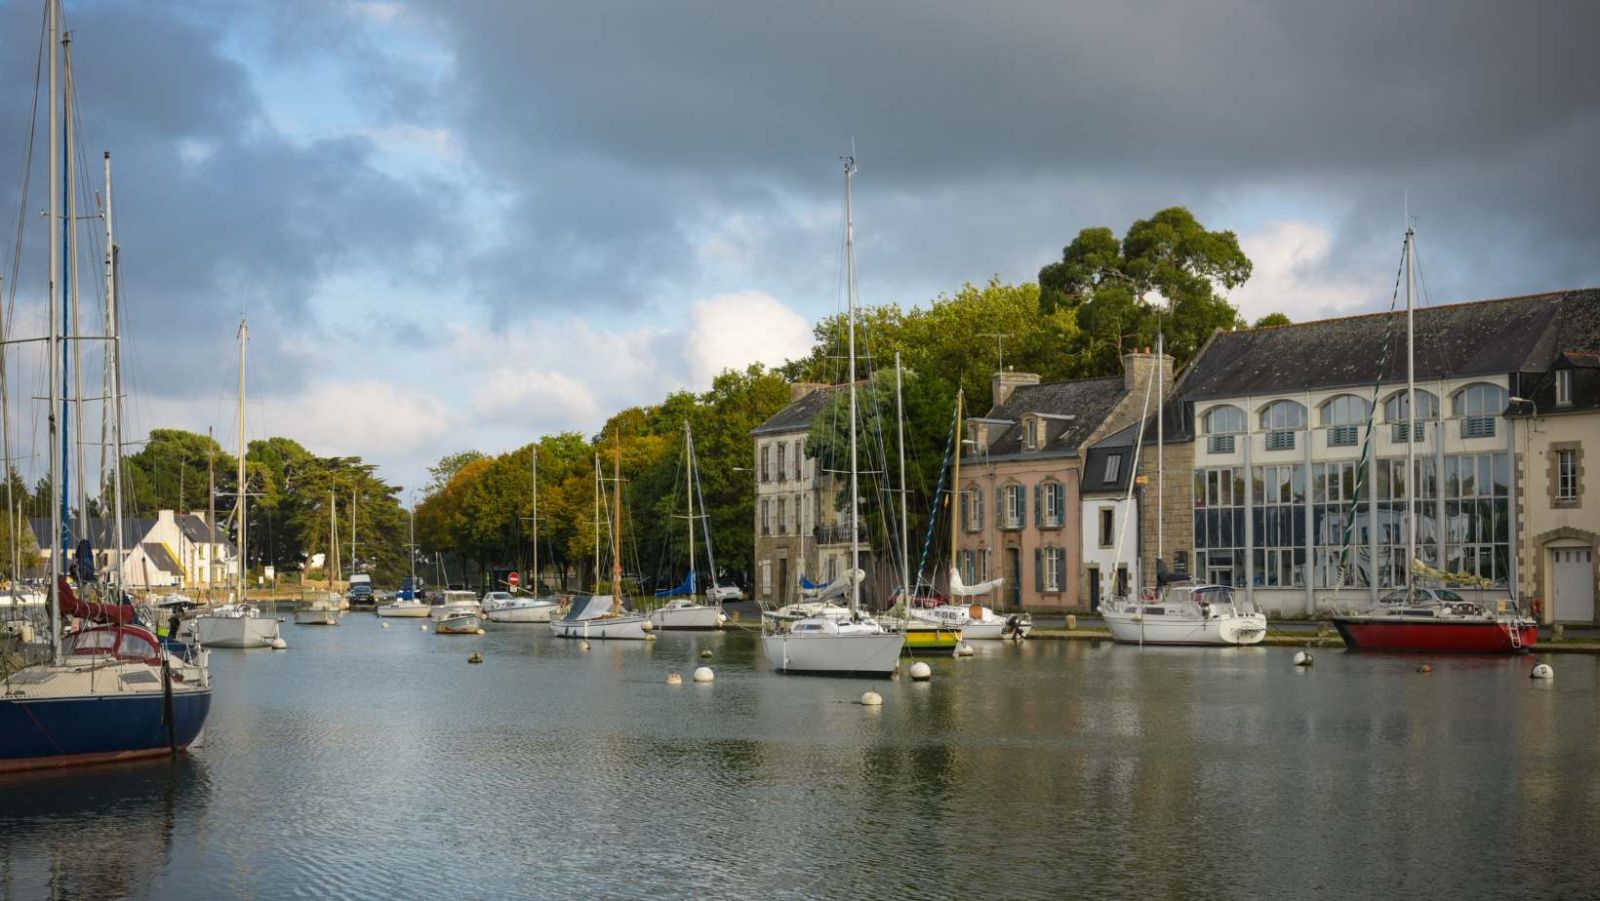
1411,636
1223,631
235,631
534,614
413,611
871,655
42,733
932,639
701,617
459,624
316,617
629,627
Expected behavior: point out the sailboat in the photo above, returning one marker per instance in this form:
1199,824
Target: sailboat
604,615
237,624
504,607
109,690
683,612
1417,618
406,603
830,645
323,610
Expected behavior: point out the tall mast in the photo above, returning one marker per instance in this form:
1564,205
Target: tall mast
333,538
1161,469
597,489
688,476
114,372
850,299
57,534
352,531
239,502
955,482
211,513
534,576
900,429
616,532
70,329
412,547
1411,418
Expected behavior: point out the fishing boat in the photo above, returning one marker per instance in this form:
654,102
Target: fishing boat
464,623
1418,618
108,690
238,624
826,645
604,615
684,612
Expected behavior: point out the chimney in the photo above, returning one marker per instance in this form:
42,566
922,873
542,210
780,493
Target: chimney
1139,367
798,390
1006,382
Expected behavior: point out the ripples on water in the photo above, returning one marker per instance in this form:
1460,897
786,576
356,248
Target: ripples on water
372,763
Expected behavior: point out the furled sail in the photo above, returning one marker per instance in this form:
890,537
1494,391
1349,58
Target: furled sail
960,589
833,589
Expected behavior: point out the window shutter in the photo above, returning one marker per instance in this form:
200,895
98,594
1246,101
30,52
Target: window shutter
1000,505
1061,503
965,512
978,497
1038,506
1038,569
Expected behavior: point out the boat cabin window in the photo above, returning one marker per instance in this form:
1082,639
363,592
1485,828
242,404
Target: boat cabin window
1450,596
1155,611
94,641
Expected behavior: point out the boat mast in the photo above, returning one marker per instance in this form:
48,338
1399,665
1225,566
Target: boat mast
332,569
688,476
534,576
900,429
57,534
211,513
1411,420
411,548
114,370
352,531
1161,469
850,299
70,330
239,502
597,489
616,532
955,485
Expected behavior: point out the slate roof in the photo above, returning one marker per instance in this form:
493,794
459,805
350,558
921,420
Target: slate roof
1096,458
799,414
1480,338
1088,401
195,529
102,532
159,558
1540,387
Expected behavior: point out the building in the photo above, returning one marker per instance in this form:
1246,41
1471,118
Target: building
1558,418
1020,497
801,525
1110,518
171,551
1265,486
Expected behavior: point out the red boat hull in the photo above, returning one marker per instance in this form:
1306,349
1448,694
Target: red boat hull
1444,637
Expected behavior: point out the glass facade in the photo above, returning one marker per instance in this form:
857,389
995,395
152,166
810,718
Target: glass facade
1391,524
1334,511
1477,515
1219,525
1279,520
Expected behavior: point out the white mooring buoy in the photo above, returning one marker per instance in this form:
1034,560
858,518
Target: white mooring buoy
583,646
706,654
279,644
964,650
1302,658
480,630
674,679
1542,671
704,674
872,699
921,672
647,626
423,627
383,625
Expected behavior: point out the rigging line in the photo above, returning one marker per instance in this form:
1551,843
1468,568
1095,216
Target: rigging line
939,494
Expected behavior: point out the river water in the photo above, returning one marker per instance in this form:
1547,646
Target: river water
378,763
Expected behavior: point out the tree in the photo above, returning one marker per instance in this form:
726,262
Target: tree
1162,276
1272,319
440,474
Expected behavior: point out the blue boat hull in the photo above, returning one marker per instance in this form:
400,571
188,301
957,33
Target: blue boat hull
38,733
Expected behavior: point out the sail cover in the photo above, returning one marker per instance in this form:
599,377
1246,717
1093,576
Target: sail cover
687,588
833,589
593,606
112,614
960,589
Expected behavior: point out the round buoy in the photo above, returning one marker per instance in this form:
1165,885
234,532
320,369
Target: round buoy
964,650
722,618
648,626
1542,671
921,672
583,646
480,630
475,658
674,679
1425,668
1302,658
872,699
703,674
422,628
279,644
706,654
383,625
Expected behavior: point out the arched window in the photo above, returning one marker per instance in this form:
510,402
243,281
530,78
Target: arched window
1221,424
1280,420
1478,406
1343,416
1394,412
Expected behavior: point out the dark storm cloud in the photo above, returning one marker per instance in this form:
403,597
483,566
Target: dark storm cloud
1485,111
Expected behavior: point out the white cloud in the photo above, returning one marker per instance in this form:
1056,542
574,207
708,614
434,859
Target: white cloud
731,331
1290,274
382,13
415,141
367,417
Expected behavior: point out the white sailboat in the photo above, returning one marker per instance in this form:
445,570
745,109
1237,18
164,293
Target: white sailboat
604,615
237,624
830,645
322,609
505,607
412,606
685,612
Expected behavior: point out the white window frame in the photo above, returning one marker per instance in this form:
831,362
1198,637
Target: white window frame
1563,387
1566,475
1015,496
1054,511
1113,467
1054,567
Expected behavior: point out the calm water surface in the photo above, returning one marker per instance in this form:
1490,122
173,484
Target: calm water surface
377,763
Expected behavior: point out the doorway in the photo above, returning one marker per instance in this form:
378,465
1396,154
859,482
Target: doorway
1094,588
1014,576
1572,583
783,581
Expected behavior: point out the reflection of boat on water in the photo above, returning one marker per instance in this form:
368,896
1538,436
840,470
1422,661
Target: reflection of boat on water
110,836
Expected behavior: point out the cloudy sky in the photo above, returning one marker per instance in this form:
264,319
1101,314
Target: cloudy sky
460,224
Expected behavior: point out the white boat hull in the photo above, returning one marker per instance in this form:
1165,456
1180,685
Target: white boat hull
235,631
700,616
404,609
446,611
865,654
626,627
539,613
1226,630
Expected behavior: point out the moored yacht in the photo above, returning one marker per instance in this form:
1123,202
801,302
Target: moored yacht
1187,613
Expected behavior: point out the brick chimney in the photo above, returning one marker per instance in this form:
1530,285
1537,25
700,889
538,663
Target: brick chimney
798,390
1006,382
1139,367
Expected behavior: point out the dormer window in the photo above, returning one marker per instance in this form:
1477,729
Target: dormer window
1031,433
1113,466
1563,387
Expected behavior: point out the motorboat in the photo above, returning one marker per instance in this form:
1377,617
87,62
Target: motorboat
407,607
319,611
460,623
454,602
1187,613
505,607
235,626
1437,620
976,622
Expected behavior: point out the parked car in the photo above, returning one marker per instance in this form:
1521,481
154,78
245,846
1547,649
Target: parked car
725,593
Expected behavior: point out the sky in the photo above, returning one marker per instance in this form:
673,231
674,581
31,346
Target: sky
462,224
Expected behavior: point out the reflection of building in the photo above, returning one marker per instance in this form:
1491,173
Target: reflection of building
170,551
1265,487
1558,416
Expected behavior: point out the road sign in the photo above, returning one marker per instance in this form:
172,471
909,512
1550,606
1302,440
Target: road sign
514,579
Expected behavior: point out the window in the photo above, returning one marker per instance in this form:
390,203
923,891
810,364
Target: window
1107,526
766,578
1030,432
972,509
1477,515
1279,519
1343,417
1280,420
1220,425
1050,500
1113,467
1050,567
983,565
799,457
1394,412
1391,521
1012,502
1567,476
1338,521
1219,525
783,470
783,506
766,462
1563,387
968,564
1478,406
766,517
